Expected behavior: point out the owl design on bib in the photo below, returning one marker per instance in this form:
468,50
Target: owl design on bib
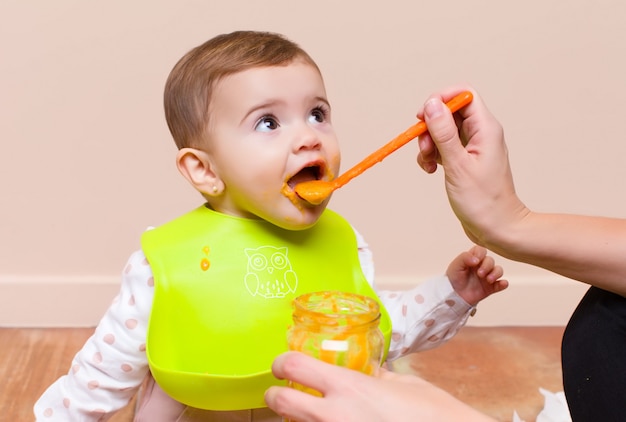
269,272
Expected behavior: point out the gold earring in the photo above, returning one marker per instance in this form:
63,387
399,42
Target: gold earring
214,189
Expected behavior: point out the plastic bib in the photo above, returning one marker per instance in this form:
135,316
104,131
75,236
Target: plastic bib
222,301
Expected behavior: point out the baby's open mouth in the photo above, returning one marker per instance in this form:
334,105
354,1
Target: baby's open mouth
308,173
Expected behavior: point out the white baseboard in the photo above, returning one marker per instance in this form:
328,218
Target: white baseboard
81,301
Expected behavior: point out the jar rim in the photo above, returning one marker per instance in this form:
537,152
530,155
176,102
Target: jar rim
336,308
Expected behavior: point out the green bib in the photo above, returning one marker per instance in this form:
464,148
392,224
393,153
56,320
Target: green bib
222,300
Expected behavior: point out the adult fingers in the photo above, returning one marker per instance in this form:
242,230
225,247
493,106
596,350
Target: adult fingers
293,404
428,156
443,130
311,372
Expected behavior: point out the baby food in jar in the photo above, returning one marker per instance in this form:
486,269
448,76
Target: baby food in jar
339,328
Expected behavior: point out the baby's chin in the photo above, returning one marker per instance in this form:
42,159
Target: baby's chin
301,219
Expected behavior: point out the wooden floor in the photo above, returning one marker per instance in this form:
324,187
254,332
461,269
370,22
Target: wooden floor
497,370
30,360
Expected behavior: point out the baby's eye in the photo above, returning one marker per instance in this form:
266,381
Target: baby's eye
266,124
318,115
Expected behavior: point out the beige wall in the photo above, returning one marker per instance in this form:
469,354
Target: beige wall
87,161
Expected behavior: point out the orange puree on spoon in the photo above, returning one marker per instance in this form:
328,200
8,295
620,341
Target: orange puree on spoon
316,191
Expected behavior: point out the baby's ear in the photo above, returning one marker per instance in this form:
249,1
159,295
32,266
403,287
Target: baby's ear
195,165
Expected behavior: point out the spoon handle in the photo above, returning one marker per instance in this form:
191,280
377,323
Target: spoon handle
455,104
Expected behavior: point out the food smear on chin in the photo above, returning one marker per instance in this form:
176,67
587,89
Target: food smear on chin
292,196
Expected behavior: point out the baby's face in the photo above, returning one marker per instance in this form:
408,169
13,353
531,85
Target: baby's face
270,129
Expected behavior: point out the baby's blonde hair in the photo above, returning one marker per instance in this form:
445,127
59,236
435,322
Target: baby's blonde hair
189,87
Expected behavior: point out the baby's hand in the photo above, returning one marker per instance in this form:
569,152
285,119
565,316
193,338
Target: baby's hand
474,275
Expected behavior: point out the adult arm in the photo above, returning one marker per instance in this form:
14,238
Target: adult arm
470,147
352,396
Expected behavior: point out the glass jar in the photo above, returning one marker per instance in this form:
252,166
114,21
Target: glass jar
339,328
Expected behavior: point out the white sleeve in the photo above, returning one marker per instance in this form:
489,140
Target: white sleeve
424,317
108,370
365,257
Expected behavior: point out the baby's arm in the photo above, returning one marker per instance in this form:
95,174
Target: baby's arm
425,316
107,371
422,318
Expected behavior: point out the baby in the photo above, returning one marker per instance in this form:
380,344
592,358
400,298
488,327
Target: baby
251,119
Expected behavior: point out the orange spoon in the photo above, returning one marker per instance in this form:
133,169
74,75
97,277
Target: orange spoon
316,191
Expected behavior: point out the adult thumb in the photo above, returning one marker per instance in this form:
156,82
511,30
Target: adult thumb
443,130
